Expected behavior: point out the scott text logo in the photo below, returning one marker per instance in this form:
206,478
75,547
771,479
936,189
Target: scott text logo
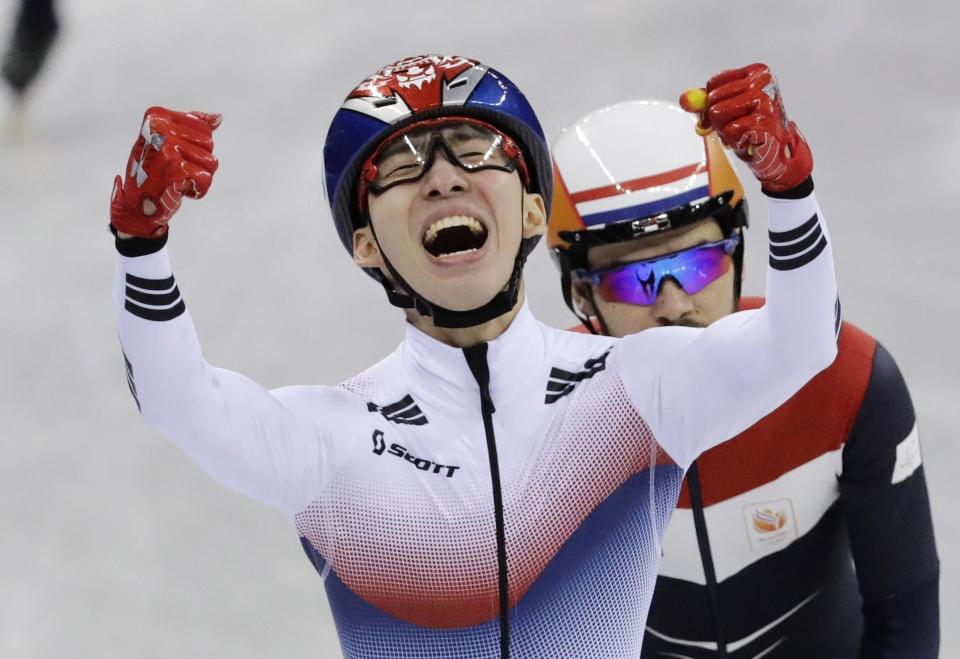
378,444
397,450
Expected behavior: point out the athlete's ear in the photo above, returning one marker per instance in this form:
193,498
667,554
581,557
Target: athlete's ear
580,294
366,252
534,215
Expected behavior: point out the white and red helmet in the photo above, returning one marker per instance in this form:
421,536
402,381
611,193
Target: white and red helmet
632,169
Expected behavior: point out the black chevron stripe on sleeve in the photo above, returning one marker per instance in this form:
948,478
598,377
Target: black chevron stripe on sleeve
406,414
837,317
151,284
404,411
797,247
130,381
153,299
400,405
562,382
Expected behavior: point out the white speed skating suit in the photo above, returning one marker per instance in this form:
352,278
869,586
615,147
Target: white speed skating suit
503,499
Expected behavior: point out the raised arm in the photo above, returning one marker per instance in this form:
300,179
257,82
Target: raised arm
697,388
261,443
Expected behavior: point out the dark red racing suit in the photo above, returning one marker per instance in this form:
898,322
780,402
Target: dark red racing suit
809,534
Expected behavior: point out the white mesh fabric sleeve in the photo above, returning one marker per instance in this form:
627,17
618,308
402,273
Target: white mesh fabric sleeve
258,442
697,388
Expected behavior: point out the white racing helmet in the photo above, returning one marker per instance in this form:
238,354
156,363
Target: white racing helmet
633,169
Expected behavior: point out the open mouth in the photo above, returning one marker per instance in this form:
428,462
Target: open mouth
455,235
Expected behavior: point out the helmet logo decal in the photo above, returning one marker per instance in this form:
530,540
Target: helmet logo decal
413,84
416,75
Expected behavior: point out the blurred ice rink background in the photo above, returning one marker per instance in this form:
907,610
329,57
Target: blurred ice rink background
111,543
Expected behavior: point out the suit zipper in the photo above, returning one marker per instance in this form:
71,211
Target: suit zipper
476,357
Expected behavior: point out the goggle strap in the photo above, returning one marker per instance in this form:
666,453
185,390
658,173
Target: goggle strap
566,288
604,329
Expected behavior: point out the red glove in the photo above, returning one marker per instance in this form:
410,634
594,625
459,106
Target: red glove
745,108
172,157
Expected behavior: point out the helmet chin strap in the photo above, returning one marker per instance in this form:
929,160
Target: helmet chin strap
604,328
566,286
500,304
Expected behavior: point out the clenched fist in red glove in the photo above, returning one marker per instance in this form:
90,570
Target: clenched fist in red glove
745,108
172,157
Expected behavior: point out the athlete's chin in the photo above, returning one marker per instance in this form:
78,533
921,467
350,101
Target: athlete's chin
685,322
464,290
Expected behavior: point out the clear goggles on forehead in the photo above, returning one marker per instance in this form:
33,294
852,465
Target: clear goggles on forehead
639,282
407,155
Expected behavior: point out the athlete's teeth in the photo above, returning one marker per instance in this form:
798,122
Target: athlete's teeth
454,220
462,251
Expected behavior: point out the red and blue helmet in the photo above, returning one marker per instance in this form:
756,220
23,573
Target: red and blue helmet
412,90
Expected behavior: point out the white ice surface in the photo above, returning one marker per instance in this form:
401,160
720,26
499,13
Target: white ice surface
111,543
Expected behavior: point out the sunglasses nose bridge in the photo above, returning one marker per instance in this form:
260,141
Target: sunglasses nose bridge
672,302
657,283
